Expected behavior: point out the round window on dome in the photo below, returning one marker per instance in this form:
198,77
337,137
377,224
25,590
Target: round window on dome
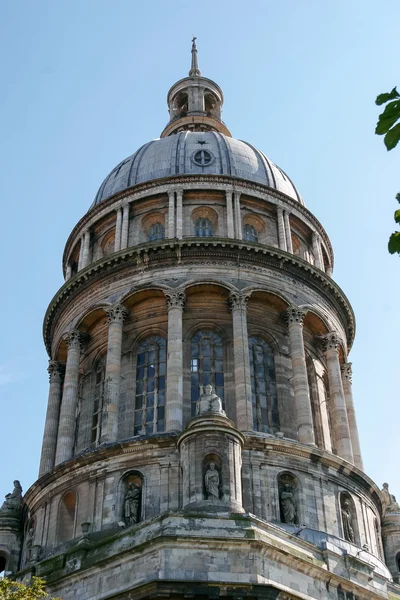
203,158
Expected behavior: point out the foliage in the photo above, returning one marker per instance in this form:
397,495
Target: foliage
387,120
389,126
11,590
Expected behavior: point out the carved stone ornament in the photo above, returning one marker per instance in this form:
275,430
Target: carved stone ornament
347,371
211,482
330,341
55,371
13,501
388,500
175,299
117,313
75,339
209,402
238,300
294,314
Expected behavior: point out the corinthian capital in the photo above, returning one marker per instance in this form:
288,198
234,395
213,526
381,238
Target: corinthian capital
175,299
330,341
238,300
117,313
294,314
55,370
347,371
75,339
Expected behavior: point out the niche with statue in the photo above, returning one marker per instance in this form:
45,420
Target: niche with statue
212,477
289,504
132,487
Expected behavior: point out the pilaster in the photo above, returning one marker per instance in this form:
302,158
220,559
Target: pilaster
244,408
174,400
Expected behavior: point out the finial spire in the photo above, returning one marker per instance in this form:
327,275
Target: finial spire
194,71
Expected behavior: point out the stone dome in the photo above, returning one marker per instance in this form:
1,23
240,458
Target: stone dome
196,153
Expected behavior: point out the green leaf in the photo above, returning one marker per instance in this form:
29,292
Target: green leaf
394,243
392,137
398,197
388,118
382,98
397,215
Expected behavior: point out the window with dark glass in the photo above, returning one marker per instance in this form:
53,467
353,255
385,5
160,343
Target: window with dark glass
263,386
206,365
250,234
98,402
155,232
203,228
151,371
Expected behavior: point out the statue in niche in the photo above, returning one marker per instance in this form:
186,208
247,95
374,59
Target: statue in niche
288,505
347,519
29,542
209,402
211,481
389,501
131,504
13,501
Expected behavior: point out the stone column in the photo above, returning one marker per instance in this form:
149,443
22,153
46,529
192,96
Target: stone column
171,214
179,214
86,249
337,402
238,216
117,242
56,371
66,427
109,424
174,400
288,233
347,375
244,407
229,214
305,427
316,242
281,229
125,227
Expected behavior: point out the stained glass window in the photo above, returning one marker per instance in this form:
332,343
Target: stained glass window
263,386
151,373
206,365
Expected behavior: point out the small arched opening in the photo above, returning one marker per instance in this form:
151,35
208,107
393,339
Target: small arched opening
3,564
66,524
131,490
289,498
349,519
180,105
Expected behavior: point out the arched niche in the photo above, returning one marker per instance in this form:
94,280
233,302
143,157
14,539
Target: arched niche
212,476
348,518
130,498
180,105
4,561
289,498
66,518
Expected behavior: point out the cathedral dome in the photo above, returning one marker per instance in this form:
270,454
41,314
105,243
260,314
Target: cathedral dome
196,153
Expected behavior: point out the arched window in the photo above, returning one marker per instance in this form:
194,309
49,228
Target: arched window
155,232
203,227
98,401
263,386
66,517
151,369
206,365
249,233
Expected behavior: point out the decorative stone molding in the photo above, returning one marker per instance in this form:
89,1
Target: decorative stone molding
76,339
175,299
330,341
117,313
294,314
238,300
347,371
55,370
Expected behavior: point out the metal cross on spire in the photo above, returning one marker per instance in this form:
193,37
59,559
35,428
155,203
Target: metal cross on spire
194,71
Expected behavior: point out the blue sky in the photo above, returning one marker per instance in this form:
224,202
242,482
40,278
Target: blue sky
84,84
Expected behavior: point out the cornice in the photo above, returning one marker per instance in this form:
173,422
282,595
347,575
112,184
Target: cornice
208,251
161,186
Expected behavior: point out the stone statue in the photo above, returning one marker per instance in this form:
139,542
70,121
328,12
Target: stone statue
131,504
29,542
12,502
211,480
347,520
209,402
389,501
288,505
